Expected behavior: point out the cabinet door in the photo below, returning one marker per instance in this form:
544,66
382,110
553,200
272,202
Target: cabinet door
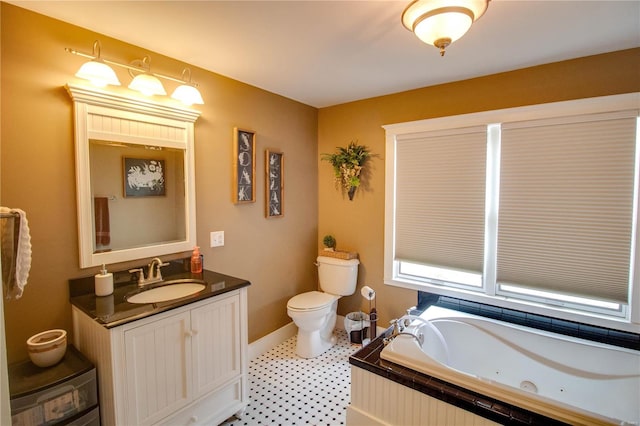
157,369
216,343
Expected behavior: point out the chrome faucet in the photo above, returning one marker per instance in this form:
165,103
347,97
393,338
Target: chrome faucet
153,273
399,325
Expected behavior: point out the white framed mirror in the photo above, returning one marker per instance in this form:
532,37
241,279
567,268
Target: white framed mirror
135,180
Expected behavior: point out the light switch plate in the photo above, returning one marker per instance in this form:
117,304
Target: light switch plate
217,239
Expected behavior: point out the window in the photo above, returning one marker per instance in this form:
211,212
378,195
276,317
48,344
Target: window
566,206
440,203
531,208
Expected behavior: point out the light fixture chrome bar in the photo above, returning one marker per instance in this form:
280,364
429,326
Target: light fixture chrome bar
129,67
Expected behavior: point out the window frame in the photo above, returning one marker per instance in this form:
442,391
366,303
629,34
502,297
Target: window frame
629,317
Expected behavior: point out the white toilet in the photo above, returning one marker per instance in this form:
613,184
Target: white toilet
314,312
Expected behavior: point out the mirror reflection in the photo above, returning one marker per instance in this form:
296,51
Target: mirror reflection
135,176
138,195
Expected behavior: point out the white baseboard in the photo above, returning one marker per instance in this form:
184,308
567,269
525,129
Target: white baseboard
271,340
285,332
340,322
355,417
274,338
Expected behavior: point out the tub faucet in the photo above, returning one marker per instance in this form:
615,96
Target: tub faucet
408,319
399,325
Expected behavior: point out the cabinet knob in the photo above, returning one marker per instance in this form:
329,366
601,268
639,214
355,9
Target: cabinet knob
191,333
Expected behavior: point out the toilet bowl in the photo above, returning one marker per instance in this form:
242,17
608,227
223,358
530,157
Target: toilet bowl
314,312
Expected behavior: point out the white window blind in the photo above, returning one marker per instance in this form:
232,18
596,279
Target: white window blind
566,205
440,195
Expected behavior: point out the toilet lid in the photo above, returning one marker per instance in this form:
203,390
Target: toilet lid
310,301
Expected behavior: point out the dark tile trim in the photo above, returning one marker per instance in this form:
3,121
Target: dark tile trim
569,328
368,358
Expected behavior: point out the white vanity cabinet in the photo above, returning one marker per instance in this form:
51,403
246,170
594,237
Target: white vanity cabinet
181,367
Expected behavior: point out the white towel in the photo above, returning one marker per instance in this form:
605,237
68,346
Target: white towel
22,256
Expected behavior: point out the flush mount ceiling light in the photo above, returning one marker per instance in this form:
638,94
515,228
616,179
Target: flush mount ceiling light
144,81
187,93
441,22
96,71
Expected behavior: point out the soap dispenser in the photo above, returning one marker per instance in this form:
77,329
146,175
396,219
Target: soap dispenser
104,282
196,261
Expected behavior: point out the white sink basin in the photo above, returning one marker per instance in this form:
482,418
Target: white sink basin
168,291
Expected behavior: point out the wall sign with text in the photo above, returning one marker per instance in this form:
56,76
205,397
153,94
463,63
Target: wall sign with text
244,166
274,196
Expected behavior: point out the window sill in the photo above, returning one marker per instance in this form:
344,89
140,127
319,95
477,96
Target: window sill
523,306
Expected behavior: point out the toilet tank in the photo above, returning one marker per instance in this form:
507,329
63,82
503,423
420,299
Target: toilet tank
337,276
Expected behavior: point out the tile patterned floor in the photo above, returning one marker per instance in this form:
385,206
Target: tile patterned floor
288,390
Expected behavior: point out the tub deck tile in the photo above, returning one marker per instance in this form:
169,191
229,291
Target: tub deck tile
623,339
368,358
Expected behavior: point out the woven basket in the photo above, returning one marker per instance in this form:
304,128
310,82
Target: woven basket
346,255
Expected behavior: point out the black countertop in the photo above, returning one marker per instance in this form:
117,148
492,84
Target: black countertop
25,378
114,310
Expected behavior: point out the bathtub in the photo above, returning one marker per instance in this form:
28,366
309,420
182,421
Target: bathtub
572,380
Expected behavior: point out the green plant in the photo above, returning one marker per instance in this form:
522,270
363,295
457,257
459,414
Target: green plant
347,165
329,241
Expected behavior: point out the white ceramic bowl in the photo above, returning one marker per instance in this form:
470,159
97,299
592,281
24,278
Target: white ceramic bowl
47,348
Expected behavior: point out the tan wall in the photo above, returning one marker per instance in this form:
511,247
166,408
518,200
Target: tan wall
37,174
37,167
359,224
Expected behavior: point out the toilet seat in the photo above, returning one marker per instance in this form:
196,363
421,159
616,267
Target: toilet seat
311,301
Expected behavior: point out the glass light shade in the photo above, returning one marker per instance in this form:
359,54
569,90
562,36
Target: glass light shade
450,25
147,84
98,73
440,22
188,95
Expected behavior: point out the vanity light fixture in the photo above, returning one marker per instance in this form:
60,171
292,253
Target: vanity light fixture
441,22
96,71
144,81
187,93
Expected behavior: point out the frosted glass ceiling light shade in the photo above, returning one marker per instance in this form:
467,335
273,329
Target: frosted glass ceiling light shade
187,93
441,22
147,84
96,71
450,26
